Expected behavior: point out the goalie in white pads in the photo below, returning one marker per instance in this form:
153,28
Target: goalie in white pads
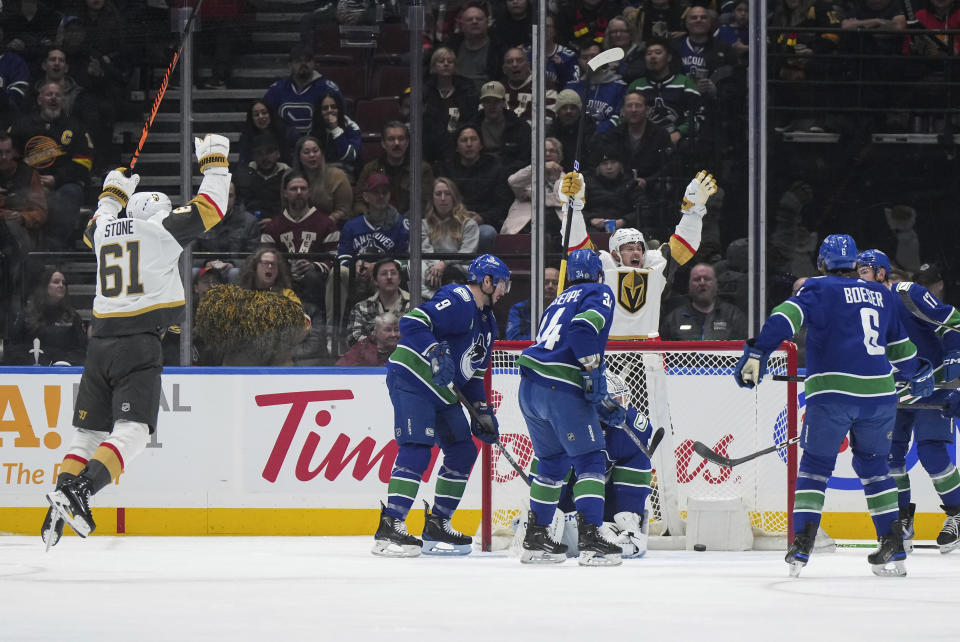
628,477
638,276
562,398
139,294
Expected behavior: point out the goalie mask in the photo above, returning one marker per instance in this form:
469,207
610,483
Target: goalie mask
144,205
617,388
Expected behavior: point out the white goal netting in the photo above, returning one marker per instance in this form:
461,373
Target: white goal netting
688,389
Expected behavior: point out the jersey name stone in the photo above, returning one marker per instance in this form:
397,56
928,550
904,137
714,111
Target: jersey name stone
118,228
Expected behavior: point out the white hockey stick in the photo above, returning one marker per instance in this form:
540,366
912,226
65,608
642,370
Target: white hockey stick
605,57
917,312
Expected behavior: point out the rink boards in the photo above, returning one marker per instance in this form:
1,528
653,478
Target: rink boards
251,451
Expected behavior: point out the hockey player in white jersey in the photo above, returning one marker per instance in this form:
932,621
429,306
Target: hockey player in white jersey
139,294
636,275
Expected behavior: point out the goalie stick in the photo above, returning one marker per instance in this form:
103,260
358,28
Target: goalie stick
729,462
654,441
503,451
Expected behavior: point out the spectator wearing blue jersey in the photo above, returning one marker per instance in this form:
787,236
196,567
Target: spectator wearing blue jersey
381,225
601,91
293,98
855,343
931,430
563,398
518,319
444,349
338,133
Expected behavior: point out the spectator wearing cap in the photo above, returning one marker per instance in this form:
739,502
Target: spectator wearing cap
505,135
259,181
389,297
374,349
381,226
566,126
642,145
482,183
237,233
518,83
395,163
479,56
203,281
449,100
929,276
294,97
611,195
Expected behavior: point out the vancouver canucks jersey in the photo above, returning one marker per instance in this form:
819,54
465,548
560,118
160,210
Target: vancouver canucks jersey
932,341
628,468
854,334
575,325
451,315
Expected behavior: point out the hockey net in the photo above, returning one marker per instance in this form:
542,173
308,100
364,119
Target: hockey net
688,389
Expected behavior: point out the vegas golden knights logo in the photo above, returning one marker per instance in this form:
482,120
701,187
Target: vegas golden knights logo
632,290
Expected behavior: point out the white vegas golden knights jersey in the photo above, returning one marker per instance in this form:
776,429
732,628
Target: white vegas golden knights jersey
638,291
139,288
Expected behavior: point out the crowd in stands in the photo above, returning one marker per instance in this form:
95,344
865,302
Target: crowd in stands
317,217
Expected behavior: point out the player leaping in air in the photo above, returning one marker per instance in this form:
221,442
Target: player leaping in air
855,342
445,341
562,398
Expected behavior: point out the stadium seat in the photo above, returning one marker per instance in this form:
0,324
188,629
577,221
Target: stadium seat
373,113
394,39
371,146
390,80
352,79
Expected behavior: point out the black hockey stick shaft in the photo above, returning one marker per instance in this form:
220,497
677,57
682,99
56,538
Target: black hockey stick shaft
503,451
647,450
148,123
729,462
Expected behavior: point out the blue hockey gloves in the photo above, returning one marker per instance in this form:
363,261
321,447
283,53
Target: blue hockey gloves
752,366
594,385
611,413
951,365
487,428
952,411
441,364
921,383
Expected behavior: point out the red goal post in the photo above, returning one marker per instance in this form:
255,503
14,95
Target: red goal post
687,388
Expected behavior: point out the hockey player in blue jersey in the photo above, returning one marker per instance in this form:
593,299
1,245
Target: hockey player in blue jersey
445,341
932,431
562,390
628,476
855,341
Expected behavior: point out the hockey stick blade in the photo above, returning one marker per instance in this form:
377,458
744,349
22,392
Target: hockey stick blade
710,455
605,57
503,451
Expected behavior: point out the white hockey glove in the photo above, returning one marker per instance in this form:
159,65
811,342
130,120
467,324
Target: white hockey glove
572,189
698,192
212,151
117,190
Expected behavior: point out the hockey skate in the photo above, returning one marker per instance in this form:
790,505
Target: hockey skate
887,560
538,548
52,529
595,550
392,538
799,552
441,538
72,502
949,537
906,526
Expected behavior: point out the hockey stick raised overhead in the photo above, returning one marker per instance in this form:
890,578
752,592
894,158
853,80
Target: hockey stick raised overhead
163,86
729,462
503,451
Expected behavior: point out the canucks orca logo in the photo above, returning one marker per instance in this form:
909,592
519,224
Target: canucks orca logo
475,355
632,290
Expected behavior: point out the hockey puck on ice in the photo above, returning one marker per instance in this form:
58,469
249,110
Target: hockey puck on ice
700,547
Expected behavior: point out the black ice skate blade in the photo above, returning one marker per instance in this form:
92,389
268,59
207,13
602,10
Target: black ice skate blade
591,558
60,503
542,557
891,569
386,548
51,534
445,549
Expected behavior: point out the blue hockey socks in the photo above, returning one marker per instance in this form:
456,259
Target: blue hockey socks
458,459
590,487
880,490
412,461
936,461
811,490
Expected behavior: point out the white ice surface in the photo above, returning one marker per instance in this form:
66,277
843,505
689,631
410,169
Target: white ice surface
269,589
